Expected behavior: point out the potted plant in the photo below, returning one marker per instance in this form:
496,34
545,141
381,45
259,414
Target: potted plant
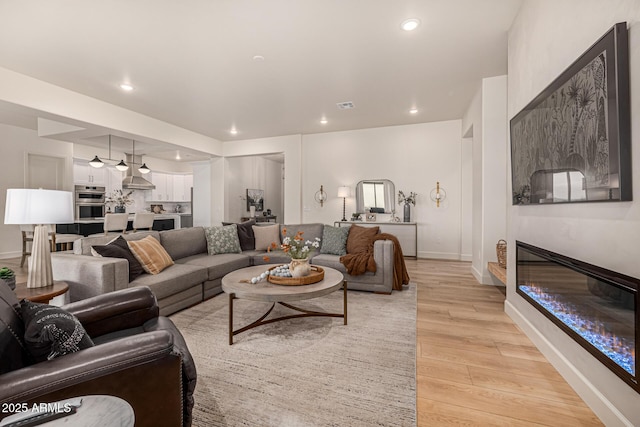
8,276
120,199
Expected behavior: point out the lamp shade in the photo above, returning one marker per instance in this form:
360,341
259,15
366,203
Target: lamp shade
344,191
29,206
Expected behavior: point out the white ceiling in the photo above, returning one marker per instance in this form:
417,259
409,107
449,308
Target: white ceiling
191,64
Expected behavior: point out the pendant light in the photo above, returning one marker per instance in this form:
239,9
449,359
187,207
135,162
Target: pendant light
97,163
142,169
122,166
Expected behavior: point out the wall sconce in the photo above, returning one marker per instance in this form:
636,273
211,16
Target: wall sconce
344,192
438,194
321,196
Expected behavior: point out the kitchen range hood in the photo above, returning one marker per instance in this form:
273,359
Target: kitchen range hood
134,179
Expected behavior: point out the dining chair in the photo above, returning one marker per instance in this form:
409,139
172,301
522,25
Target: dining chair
143,221
55,239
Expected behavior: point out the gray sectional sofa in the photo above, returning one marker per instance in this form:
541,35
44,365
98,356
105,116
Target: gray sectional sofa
196,275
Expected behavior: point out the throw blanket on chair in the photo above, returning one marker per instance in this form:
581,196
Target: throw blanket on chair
361,262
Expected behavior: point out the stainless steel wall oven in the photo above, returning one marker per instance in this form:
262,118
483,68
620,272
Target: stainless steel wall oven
89,201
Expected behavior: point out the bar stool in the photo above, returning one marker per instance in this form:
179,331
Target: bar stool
116,222
55,239
142,220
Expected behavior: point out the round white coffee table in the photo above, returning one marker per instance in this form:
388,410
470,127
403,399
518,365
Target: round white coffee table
234,284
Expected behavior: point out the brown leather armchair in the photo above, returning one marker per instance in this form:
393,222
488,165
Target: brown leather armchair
139,356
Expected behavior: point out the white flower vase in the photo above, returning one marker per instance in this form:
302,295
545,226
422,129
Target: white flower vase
299,267
252,211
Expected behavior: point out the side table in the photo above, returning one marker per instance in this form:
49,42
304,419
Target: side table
53,294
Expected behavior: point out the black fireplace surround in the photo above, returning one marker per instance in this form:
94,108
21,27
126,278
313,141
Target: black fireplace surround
596,307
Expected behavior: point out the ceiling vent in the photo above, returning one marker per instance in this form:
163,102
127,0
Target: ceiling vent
345,105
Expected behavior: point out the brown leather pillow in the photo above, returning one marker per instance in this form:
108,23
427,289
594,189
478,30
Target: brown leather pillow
360,238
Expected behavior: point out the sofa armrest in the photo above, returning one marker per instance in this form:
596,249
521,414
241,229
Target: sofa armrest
115,311
383,255
143,370
89,276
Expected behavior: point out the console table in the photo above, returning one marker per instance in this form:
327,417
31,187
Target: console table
260,218
406,232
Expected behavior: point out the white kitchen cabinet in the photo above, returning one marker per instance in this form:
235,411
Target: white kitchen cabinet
177,181
83,173
171,187
114,179
182,184
164,187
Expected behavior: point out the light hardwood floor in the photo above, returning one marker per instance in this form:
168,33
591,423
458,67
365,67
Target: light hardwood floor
474,366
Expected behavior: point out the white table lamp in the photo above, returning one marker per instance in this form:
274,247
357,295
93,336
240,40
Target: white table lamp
41,208
344,192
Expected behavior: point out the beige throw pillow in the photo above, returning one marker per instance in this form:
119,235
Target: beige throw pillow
265,235
152,256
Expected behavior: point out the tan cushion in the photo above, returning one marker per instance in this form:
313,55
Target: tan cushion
265,235
152,256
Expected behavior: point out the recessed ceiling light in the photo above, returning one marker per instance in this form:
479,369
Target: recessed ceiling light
324,121
126,87
258,58
233,131
413,111
410,24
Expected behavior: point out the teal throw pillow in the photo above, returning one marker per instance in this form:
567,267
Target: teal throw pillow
222,240
334,240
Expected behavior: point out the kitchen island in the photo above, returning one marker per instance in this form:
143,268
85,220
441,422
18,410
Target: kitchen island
89,226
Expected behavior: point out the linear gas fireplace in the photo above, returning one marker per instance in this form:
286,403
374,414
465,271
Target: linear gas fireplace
596,307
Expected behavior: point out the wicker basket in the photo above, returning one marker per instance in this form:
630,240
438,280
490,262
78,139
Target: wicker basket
501,251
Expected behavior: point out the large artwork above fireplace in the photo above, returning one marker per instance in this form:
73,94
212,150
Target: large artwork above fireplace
596,307
572,142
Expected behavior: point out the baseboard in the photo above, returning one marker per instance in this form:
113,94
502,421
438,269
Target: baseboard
599,404
466,257
6,255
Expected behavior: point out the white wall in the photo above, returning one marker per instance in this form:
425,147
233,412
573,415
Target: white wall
485,124
545,38
291,146
252,172
15,144
414,157
466,190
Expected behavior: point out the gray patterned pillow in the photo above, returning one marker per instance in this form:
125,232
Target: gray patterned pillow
222,240
334,240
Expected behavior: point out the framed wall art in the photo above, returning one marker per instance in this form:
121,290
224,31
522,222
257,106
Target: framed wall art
255,198
572,143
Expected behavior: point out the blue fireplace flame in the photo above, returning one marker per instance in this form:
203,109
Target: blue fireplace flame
619,350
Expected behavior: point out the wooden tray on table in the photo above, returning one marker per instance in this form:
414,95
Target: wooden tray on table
316,275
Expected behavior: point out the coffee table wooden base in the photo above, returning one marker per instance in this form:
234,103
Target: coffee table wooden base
304,313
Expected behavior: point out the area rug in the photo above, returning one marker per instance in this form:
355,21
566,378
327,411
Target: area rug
306,371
